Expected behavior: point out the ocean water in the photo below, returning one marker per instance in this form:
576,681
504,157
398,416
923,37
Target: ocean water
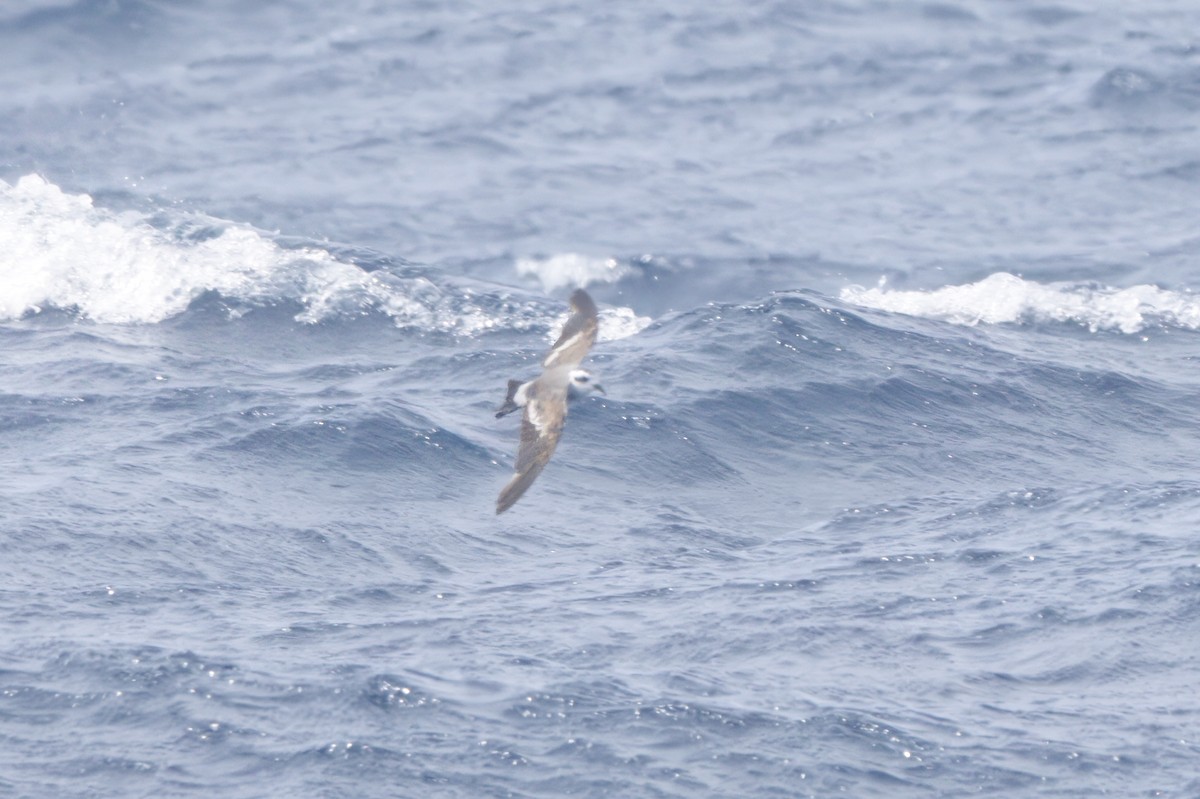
894,491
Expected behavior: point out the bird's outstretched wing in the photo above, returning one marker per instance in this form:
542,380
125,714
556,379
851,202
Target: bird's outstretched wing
578,335
541,427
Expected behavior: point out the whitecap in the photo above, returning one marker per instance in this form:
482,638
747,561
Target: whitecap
1006,298
571,270
59,250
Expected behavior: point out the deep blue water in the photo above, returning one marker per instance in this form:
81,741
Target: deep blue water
894,491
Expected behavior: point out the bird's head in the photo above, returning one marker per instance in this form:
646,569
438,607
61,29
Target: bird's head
584,382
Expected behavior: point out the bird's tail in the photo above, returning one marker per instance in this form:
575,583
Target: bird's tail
510,404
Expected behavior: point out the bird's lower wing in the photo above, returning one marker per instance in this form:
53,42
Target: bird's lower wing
541,427
517,486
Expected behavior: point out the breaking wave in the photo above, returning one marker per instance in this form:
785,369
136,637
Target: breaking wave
1005,298
59,250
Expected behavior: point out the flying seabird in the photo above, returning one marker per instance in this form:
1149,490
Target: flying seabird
545,398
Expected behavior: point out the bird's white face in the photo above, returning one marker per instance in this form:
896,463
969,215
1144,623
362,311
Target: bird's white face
583,382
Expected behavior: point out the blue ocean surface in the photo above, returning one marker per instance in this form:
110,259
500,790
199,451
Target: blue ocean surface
894,492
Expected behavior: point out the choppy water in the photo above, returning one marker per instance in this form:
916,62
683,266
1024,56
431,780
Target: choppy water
894,491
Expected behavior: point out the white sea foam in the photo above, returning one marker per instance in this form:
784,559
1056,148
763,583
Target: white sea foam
1006,298
569,270
59,250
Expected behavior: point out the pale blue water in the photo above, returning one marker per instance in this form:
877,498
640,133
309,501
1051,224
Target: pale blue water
894,492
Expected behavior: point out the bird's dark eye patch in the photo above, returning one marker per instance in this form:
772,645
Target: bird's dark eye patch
583,378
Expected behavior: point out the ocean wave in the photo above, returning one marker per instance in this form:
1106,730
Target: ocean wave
134,267
566,270
1005,298
128,267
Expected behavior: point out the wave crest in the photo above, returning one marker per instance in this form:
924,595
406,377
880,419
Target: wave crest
129,267
58,250
567,270
1005,298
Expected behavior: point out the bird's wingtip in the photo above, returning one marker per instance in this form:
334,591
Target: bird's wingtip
582,302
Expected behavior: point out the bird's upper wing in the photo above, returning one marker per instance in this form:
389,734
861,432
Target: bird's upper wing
578,335
541,426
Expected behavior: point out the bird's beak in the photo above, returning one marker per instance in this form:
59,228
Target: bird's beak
600,388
